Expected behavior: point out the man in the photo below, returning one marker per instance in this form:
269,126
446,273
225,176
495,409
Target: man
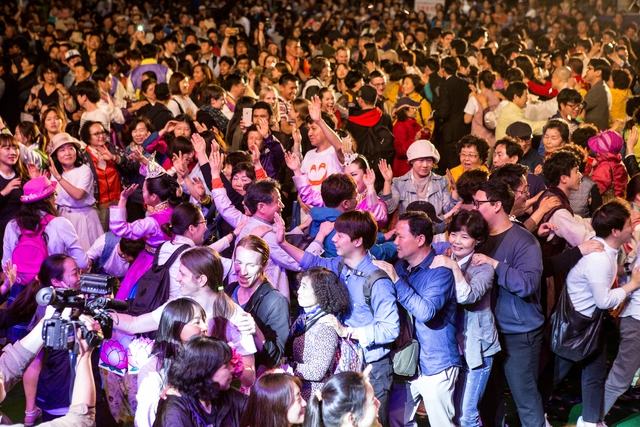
335,41
170,47
378,80
72,57
570,105
288,90
509,151
429,295
88,96
299,66
159,114
454,93
149,63
543,110
225,67
598,100
320,70
522,132
515,255
589,287
363,120
234,85
477,41
342,55
376,325
207,57
516,94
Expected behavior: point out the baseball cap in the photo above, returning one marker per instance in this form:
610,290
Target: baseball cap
368,93
71,53
520,130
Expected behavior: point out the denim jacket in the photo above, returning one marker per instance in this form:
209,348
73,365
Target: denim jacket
403,192
380,328
429,295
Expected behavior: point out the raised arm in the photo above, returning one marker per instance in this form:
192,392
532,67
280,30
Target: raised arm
315,113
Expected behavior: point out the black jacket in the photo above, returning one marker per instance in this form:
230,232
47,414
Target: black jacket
159,115
270,310
454,94
184,411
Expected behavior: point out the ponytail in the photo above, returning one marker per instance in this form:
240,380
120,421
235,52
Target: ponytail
313,413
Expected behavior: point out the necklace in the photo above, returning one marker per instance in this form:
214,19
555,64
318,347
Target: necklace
159,207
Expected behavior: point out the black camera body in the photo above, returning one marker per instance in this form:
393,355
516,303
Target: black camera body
609,48
59,333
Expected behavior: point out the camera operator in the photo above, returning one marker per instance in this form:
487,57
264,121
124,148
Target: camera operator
15,358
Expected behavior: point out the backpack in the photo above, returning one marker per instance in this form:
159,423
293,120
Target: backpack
110,243
31,251
405,350
377,143
153,287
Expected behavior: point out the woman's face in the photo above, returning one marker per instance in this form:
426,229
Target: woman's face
184,86
67,155
20,137
53,123
341,71
295,413
270,61
407,87
9,154
469,157
239,181
306,295
70,275
140,133
200,229
150,94
270,98
461,243
50,77
223,376
273,49
92,58
182,129
98,135
328,101
248,266
263,55
422,167
371,407
254,137
357,174
198,75
552,140
196,326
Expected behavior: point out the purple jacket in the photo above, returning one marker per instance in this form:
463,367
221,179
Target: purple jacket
272,156
136,74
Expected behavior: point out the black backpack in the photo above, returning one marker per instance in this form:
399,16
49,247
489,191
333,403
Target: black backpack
375,144
405,350
153,286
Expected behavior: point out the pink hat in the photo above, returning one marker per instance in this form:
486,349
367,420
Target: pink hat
38,189
607,141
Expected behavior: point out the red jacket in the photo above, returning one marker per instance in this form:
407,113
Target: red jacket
404,134
608,169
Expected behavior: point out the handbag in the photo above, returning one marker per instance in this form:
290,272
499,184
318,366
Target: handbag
572,335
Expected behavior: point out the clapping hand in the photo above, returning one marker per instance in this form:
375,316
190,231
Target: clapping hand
128,191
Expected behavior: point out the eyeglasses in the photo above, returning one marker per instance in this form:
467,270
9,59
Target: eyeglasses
101,133
575,106
468,155
477,203
525,190
204,221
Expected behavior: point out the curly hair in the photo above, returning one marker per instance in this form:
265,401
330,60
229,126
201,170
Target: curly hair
332,295
481,145
193,370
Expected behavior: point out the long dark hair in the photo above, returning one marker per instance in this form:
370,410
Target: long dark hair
242,103
52,268
165,187
18,168
271,397
30,131
30,216
344,393
192,371
183,216
175,315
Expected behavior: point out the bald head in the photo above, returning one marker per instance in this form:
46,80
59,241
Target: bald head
560,77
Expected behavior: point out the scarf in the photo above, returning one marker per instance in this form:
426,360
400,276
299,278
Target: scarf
422,187
306,320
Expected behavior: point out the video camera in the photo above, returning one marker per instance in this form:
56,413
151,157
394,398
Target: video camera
59,333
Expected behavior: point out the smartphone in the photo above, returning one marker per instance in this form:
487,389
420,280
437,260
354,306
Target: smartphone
234,31
247,117
140,28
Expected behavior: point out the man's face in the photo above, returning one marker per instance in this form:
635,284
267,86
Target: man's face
520,101
94,42
624,237
343,243
446,40
289,90
260,114
422,167
243,65
574,179
570,110
407,244
501,158
316,136
237,90
521,195
292,49
205,48
342,57
583,28
379,84
485,208
170,47
270,210
225,68
80,74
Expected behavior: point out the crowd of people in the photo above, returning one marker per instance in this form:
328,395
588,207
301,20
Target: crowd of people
321,213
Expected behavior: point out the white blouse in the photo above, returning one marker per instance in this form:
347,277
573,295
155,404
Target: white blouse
82,178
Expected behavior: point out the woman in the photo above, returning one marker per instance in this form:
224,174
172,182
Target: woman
200,393
160,193
347,399
364,177
203,77
234,131
478,336
312,344
275,401
141,129
180,102
327,103
13,175
108,165
486,79
413,88
404,131
269,94
181,319
473,152
53,122
75,193
371,59
29,137
49,92
337,81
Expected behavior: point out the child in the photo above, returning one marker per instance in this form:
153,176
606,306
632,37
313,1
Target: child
608,171
619,86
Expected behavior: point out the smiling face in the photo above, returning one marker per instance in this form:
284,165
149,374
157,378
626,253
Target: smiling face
248,267
196,326
182,129
469,157
295,413
422,167
67,155
9,154
140,133
189,283
270,98
98,135
239,181
327,101
461,243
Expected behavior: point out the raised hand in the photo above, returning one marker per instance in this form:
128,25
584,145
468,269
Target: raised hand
128,191
263,127
292,161
315,111
10,273
33,170
215,162
255,156
200,127
54,170
385,170
279,223
199,145
137,156
369,178
198,185
180,166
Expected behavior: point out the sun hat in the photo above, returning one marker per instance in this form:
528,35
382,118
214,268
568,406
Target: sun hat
422,149
37,189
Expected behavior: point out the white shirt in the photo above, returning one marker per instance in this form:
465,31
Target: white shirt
633,305
114,265
98,115
186,103
81,178
318,166
589,282
573,228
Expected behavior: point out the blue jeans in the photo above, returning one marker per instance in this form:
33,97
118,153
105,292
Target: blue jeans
469,391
